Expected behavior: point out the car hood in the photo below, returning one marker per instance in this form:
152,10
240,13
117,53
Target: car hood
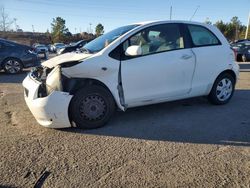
64,58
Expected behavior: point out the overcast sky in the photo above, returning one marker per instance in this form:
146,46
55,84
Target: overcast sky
80,15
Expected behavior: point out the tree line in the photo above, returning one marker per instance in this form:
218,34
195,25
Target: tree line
233,30
60,33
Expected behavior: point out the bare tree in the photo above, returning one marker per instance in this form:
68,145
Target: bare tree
5,21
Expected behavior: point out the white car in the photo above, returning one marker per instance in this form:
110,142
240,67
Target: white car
134,65
57,46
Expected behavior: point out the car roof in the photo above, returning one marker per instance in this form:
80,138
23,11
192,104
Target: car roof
8,41
244,42
169,21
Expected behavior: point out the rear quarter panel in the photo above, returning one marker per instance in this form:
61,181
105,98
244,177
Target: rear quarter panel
211,61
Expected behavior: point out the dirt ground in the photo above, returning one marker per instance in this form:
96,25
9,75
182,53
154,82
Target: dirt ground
189,143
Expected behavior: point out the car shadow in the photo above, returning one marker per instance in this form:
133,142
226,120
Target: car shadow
186,121
13,78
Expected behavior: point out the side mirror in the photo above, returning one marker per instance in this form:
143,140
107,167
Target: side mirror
133,51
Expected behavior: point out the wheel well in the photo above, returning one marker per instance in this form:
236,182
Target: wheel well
74,84
228,71
232,73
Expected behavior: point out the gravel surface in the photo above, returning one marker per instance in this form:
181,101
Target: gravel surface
188,143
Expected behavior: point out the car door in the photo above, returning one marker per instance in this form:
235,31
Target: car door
164,70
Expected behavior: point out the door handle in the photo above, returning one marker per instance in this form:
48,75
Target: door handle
185,57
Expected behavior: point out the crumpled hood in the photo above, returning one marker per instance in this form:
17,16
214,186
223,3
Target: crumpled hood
67,57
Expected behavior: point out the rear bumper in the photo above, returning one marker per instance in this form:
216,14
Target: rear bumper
236,69
248,56
50,111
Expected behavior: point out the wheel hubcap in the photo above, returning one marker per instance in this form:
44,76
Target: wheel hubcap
224,89
93,107
12,66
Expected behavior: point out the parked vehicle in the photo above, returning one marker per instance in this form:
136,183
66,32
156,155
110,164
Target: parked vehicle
57,46
72,48
42,49
242,50
14,57
134,65
72,43
241,40
50,48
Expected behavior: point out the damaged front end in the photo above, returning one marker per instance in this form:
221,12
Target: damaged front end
45,97
51,79
48,90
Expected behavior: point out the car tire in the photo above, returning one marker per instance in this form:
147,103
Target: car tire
222,90
91,107
239,58
244,58
12,66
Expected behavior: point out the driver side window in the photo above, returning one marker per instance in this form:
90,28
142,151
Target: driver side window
155,39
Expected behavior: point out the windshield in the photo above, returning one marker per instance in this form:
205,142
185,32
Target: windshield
9,43
103,41
59,45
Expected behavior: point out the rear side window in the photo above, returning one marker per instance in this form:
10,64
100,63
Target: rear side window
7,44
201,36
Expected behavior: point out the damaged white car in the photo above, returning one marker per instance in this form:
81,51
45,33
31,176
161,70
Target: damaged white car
134,65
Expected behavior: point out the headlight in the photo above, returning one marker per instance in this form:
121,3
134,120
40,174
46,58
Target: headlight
31,52
53,81
60,51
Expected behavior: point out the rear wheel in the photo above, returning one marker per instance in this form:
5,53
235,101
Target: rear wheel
12,66
222,90
244,58
91,107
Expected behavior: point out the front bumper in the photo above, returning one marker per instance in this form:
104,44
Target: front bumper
50,111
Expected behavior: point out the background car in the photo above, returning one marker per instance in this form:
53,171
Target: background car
14,57
50,48
241,40
242,51
74,47
42,49
57,46
72,43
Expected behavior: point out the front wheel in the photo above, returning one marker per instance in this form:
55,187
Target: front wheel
222,90
91,107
